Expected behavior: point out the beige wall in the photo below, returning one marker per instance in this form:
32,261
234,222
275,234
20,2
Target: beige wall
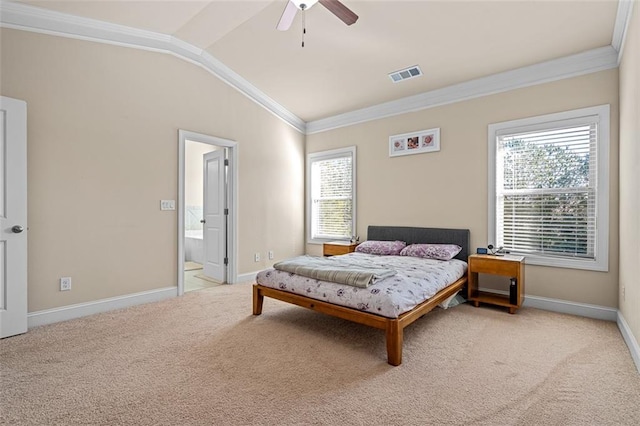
103,121
449,188
103,151
630,176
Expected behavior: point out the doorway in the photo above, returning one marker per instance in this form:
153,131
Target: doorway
207,211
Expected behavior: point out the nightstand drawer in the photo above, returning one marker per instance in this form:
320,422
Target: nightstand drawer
335,248
497,265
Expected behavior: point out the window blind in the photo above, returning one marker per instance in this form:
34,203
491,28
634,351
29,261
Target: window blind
546,190
332,197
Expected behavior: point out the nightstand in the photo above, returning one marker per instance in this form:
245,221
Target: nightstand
507,265
334,248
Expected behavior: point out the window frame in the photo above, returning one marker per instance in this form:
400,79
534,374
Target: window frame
322,156
542,122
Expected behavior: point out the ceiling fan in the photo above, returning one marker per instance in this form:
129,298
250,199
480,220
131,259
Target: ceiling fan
334,6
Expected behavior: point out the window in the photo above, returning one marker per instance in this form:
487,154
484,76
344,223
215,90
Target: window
548,188
331,195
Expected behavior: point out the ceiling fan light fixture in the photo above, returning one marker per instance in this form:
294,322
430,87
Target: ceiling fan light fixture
336,7
307,3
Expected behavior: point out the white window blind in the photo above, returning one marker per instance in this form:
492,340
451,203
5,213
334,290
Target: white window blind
550,188
546,191
332,194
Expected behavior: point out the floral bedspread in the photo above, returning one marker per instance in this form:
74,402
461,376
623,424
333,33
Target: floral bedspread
416,280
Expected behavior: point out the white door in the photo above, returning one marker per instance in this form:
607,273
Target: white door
13,217
215,230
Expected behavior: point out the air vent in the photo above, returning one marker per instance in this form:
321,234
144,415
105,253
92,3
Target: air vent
405,74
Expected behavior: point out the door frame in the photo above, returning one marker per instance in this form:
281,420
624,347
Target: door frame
232,194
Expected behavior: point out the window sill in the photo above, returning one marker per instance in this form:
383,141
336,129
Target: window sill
555,262
320,241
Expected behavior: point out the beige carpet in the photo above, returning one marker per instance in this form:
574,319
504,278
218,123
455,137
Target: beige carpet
203,359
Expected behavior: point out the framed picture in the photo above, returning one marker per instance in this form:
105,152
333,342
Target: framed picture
414,142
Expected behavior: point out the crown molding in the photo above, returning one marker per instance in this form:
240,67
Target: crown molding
591,61
623,17
28,18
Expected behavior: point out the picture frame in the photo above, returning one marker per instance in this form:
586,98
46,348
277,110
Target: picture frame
414,143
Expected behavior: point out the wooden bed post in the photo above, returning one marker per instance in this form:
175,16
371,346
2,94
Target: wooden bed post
394,334
258,298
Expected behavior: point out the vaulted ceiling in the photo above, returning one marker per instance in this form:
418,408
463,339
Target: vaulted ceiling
345,68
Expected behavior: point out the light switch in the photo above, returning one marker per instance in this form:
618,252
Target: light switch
167,204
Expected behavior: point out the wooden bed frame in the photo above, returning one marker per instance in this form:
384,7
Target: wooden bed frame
394,327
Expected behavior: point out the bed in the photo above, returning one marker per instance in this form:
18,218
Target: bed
393,323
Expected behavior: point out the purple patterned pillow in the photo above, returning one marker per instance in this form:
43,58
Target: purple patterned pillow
432,251
392,248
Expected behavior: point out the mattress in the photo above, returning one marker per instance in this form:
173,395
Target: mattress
415,281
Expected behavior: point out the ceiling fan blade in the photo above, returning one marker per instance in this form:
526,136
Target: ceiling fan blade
340,10
287,16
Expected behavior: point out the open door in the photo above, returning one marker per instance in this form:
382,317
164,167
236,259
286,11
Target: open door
229,171
13,217
215,216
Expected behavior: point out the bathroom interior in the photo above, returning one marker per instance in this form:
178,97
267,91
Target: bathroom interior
194,278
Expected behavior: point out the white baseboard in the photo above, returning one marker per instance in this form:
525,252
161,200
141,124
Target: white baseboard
247,278
629,339
50,316
572,308
565,306
64,313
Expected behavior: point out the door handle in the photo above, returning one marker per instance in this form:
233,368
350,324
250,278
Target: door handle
16,229
203,221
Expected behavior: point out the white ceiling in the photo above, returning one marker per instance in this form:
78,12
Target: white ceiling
344,68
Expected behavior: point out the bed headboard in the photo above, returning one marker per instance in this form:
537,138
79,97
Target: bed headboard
414,235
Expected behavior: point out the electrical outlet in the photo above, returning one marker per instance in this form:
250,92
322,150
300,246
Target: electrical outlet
256,257
624,297
65,283
270,254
